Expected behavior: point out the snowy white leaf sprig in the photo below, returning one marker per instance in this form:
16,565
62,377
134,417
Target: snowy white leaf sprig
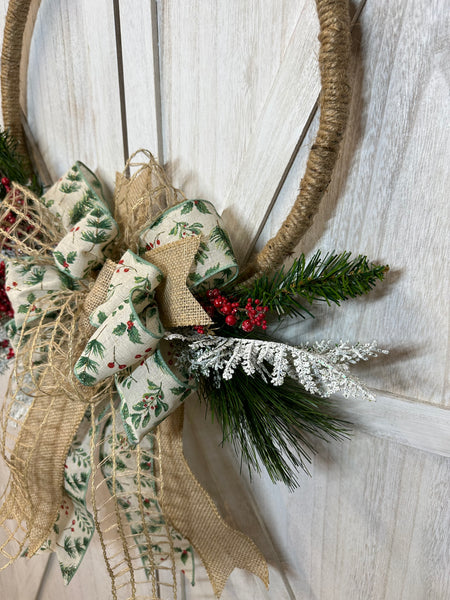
322,368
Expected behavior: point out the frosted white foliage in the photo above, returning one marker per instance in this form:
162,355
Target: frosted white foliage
322,368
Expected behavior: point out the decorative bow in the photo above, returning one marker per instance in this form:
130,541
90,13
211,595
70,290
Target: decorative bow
186,243
117,338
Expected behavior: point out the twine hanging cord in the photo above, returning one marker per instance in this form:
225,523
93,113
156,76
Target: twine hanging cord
334,56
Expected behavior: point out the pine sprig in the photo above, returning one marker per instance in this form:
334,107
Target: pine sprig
13,165
333,278
270,425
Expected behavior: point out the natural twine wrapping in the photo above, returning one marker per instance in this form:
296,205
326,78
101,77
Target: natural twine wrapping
334,101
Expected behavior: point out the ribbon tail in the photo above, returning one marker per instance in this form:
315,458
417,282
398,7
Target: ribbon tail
42,444
193,513
37,461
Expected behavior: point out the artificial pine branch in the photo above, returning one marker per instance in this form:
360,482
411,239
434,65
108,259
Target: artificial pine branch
269,425
12,164
333,278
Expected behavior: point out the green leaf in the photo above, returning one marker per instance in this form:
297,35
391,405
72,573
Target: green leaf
95,237
69,547
69,188
36,276
86,379
151,385
178,390
101,316
145,420
125,411
185,395
133,335
87,363
23,309
71,257
59,257
212,270
158,409
81,209
96,347
31,298
201,206
104,223
120,329
187,208
220,237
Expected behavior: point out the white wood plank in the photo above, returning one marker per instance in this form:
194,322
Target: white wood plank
73,99
388,199
218,64
370,523
141,75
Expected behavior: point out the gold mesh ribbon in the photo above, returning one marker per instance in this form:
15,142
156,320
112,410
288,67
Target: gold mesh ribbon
42,439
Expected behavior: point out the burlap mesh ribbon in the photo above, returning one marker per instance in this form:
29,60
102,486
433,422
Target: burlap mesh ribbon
55,330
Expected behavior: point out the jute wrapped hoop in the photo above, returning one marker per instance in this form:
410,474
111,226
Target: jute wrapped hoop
334,100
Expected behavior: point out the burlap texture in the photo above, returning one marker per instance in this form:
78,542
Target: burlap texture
191,510
59,402
177,305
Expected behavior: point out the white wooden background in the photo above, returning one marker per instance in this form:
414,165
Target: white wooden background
224,93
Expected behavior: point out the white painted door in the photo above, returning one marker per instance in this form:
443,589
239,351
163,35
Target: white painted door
203,83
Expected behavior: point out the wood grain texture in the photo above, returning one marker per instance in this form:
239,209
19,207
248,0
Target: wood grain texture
73,99
141,75
388,199
371,523
218,65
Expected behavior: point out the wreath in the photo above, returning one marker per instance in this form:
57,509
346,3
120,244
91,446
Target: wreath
116,314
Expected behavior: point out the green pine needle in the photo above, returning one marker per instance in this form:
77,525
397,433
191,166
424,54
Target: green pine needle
333,278
271,425
13,165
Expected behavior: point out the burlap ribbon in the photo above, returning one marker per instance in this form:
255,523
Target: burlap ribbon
37,460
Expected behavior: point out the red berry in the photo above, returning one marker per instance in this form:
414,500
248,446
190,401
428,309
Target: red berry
65,264
111,365
247,326
218,302
126,270
121,262
122,366
130,324
158,242
230,320
138,356
226,309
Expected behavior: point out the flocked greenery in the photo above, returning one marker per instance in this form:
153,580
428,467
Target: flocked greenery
331,278
268,425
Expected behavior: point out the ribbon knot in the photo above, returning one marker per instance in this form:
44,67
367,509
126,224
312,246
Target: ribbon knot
186,248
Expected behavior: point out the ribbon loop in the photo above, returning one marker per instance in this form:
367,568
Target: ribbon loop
77,199
128,325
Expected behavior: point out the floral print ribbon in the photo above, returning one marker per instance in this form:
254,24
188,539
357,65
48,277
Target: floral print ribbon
128,342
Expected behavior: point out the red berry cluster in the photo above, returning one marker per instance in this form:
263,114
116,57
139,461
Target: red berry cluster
6,311
247,318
